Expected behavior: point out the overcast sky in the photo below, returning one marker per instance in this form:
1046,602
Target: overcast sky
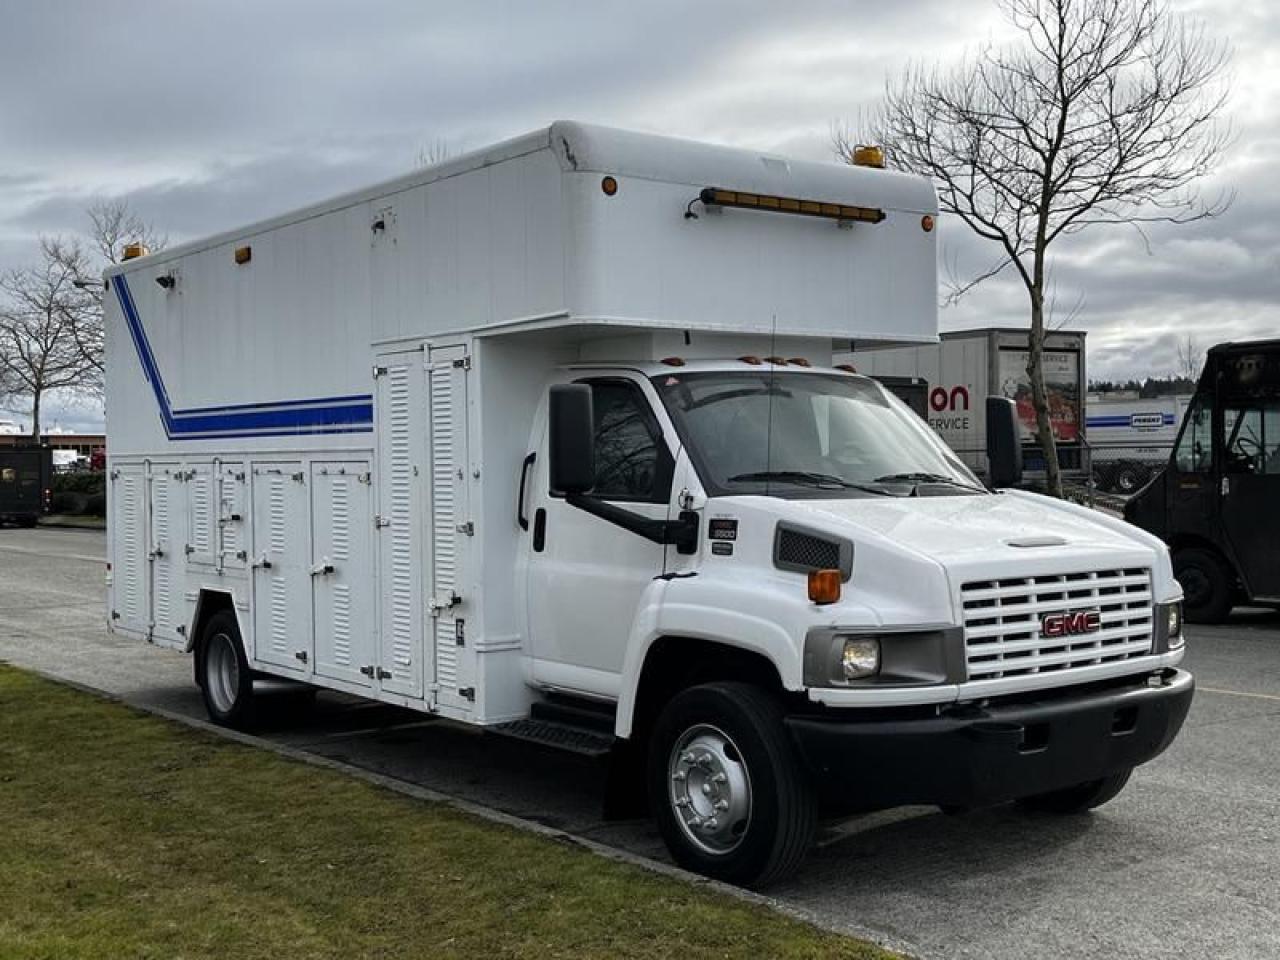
207,115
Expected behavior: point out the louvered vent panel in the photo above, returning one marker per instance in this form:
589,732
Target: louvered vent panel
797,549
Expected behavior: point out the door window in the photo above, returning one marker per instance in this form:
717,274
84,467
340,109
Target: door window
1195,446
632,462
1251,438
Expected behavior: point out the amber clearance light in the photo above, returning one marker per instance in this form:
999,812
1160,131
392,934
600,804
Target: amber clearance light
717,197
824,586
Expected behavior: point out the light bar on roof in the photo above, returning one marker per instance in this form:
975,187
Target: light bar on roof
716,196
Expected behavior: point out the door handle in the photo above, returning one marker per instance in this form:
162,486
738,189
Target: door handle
539,530
321,569
524,475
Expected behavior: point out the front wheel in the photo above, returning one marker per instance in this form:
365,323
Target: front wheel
1081,798
225,678
728,792
1206,585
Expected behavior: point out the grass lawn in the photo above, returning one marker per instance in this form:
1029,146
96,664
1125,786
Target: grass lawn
125,835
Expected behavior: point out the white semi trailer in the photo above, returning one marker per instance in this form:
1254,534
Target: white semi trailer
1130,438
963,367
546,439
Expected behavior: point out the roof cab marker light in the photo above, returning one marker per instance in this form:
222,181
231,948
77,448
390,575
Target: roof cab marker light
673,361
776,361
847,367
717,197
754,361
799,362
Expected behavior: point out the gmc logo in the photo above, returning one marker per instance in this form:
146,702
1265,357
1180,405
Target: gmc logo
1070,624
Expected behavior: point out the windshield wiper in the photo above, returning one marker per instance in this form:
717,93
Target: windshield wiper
805,478
918,478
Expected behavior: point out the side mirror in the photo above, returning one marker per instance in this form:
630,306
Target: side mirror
571,442
1004,443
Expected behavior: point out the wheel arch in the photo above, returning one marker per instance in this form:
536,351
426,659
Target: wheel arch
674,662
208,603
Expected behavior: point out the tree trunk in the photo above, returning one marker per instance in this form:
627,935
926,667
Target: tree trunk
35,415
1040,396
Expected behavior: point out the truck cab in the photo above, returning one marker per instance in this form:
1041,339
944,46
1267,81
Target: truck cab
1214,503
796,597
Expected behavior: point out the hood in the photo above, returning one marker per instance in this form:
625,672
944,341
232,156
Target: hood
1030,533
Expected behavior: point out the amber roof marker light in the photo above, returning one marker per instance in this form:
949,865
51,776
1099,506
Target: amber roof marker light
742,200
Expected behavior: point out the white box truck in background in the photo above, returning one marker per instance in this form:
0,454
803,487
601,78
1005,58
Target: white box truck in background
1130,438
547,439
965,366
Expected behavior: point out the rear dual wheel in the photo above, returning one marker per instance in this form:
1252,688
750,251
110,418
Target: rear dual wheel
225,678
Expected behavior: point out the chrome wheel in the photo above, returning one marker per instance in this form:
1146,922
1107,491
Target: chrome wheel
222,672
710,789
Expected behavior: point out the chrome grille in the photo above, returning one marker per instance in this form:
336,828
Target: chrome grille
1002,621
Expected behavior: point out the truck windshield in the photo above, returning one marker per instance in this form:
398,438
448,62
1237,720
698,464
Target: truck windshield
798,434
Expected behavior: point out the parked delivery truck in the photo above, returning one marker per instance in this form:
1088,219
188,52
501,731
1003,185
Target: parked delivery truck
546,439
1217,501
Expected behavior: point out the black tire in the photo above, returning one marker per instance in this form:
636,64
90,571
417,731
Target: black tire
1207,585
1081,798
226,682
778,828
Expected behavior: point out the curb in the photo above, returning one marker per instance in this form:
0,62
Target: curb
493,816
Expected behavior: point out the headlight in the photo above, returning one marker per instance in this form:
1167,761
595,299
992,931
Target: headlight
860,657
1168,626
1173,624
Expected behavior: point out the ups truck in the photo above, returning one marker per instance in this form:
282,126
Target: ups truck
548,440
1217,501
26,471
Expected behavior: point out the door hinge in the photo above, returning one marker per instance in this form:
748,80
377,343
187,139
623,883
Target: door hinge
460,632
301,655
379,372
462,363
384,674
368,671
467,693
379,521
468,528
298,477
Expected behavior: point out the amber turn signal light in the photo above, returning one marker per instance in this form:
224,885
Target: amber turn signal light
824,586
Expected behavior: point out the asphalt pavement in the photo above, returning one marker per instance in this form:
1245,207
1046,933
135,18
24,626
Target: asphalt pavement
1184,863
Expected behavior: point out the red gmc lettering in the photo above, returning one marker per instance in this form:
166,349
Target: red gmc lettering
1070,624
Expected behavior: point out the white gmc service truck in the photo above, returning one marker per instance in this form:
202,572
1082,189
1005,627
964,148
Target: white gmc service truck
546,439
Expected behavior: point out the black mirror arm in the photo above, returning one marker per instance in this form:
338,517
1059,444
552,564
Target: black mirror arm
683,532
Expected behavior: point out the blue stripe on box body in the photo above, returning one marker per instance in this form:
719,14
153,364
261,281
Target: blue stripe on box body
349,414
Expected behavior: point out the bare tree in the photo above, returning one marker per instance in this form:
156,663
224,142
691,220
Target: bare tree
1104,112
39,349
1190,359
112,226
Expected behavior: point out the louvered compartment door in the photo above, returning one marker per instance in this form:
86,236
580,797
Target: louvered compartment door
130,607
342,576
281,573
168,534
450,526
402,462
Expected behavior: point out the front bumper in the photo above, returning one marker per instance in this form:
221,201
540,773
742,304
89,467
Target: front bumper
971,756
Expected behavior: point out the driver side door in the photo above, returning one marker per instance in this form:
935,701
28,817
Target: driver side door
1250,491
584,575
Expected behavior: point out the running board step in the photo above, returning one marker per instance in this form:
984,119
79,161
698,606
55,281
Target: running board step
559,736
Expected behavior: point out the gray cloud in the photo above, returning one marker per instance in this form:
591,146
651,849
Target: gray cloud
205,116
